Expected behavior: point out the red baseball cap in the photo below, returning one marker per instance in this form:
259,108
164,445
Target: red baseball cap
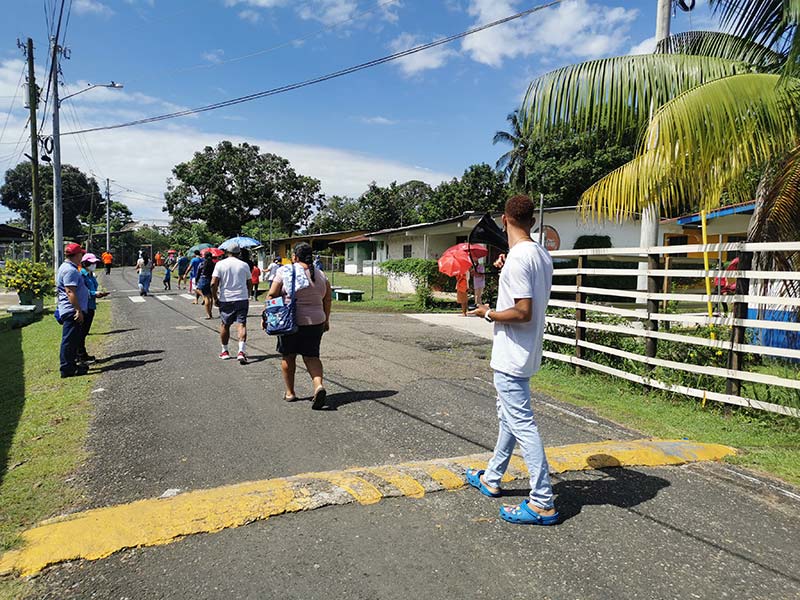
73,249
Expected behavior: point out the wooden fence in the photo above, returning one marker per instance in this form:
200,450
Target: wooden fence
644,315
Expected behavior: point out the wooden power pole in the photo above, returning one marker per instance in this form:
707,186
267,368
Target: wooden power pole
33,101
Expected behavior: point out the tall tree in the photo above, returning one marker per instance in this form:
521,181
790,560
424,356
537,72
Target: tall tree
480,188
231,185
512,163
339,213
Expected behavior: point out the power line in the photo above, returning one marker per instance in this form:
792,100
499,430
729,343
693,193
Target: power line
13,101
322,78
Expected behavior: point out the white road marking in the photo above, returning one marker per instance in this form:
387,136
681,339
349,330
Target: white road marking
165,298
98,390
187,296
136,298
186,328
781,490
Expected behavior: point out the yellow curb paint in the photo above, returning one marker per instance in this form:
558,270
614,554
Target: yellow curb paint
98,533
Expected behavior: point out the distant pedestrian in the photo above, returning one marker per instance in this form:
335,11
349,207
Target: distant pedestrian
181,268
318,262
72,304
167,278
313,298
272,270
255,278
144,266
88,266
231,287
462,285
108,260
194,265
204,274
479,282
519,322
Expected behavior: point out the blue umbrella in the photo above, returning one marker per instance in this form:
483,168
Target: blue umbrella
241,240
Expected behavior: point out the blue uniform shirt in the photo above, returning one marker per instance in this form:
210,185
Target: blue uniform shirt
195,264
91,284
70,275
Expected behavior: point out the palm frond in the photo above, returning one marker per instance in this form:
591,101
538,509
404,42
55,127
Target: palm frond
504,137
618,94
777,217
722,45
697,144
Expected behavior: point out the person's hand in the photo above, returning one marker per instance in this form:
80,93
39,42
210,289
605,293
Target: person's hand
479,311
326,326
501,260
78,316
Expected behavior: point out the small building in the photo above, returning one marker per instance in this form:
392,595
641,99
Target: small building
15,242
359,254
726,224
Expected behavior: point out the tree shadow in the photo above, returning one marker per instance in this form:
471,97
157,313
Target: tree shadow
334,401
125,364
12,374
131,354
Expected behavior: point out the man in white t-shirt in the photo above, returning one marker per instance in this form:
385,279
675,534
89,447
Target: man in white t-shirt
231,288
519,320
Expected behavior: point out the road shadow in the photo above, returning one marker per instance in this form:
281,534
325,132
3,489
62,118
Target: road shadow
613,486
131,354
261,357
115,331
334,401
12,374
125,364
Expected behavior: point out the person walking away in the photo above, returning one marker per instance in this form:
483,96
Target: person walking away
108,260
194,265
72,302
462,285
272,271
167,278
313,312
519,323
144,266
180,268
231,286
255,278
479,282
88,266
204,274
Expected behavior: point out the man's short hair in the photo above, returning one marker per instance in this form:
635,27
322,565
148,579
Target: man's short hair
520,209
197,252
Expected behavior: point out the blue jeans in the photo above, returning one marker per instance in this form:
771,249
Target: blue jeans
144,282
71,337
518,425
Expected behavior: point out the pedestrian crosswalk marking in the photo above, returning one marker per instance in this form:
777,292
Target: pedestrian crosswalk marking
187,296
136,298
168,298
98,533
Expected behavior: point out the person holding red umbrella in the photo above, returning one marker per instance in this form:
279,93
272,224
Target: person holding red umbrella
457,261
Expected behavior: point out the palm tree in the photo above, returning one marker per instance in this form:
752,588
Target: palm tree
512,163
710,108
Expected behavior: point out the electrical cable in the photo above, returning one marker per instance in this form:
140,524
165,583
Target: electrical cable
322,78
13,101
49,67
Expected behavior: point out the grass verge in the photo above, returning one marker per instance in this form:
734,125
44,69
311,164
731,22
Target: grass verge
768,443
43,424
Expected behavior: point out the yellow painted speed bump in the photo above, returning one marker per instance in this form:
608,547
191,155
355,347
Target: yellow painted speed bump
98,533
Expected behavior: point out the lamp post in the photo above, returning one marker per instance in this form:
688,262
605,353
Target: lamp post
58,223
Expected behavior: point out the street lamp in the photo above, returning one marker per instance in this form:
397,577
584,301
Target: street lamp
58,223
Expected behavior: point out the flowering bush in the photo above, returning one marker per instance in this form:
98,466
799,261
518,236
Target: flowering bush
27,277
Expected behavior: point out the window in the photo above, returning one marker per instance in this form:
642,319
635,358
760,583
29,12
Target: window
350,253
406,250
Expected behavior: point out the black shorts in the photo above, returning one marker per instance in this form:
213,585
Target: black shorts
236,311
305,342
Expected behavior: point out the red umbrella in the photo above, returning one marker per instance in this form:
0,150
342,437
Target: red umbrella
172,251
457,260
215,252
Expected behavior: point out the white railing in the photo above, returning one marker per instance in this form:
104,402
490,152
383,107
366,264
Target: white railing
646,318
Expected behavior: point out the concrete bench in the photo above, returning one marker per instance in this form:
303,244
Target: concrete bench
347,294
21,314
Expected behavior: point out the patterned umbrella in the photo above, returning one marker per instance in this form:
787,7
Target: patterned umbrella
242,240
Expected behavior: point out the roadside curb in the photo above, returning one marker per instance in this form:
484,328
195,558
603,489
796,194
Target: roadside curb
98,533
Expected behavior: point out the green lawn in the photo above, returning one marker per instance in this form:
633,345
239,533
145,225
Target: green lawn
376,297
768,443
43,424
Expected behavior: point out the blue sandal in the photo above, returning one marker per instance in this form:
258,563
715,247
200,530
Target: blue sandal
474,479
525,515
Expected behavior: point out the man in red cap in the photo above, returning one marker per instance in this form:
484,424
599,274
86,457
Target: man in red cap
73,301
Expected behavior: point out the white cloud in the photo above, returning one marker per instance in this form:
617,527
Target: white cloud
328,12
378,120
93,7
250,15
576,28
433,58
646,46
213,56
258,3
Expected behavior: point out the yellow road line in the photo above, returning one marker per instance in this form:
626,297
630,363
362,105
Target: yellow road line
98,533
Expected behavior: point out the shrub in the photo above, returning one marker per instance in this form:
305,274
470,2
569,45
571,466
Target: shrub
425,274
27,277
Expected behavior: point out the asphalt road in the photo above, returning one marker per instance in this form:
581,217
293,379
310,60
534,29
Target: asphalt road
171,415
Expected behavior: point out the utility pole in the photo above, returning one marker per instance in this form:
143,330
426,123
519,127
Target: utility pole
108,215
58,224
33,101
651,215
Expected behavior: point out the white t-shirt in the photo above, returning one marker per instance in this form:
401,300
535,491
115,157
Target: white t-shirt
233,275
527,273
273,270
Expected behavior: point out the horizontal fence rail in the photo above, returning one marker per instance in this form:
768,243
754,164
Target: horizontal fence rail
771,320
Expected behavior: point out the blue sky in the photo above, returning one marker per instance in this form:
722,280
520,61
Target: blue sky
427,117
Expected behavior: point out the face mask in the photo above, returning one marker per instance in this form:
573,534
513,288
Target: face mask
91,267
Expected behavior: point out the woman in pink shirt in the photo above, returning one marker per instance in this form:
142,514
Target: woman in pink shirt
313,311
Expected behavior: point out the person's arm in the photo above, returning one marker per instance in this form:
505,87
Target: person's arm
72,296
249,286
326,305
275,289
521,312
215,290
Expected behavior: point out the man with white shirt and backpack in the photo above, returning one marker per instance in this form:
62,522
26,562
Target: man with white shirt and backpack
231,288
519,322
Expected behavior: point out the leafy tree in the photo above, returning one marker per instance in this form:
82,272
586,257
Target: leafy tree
81,197
481,188
512,163
186,235
229,186
339,213
380,208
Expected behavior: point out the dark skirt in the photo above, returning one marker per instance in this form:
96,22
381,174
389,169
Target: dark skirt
305,342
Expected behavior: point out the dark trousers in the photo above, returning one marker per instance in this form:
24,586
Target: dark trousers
88,317
71,335
255,291
108,269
